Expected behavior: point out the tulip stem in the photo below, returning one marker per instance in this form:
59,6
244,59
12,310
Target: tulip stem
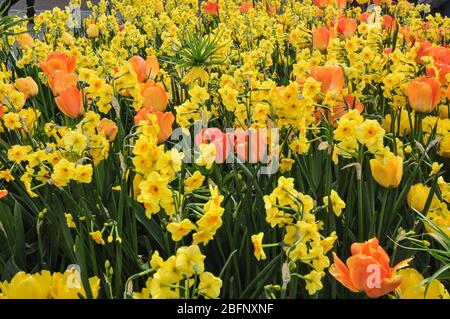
360,199
383,208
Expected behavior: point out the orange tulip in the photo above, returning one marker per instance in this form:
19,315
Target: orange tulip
331,77
58,61
388,22
342,4
322,4
155,97
245,7
139,67
368,270
443,70
25,40
346,27
424,94
59,81
363,17
211,8
1,110
70,102
27,86
349,103
320,38
165,122
3,193
109,128
145,69
423,50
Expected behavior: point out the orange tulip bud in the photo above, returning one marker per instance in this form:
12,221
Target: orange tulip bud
387,171
331,77
388,22
27,86
245,7
58,61
320,38
165,122
367,270
109,128
346,27
424,94
25,40
70,102
155,97
3,193
322,4
211,8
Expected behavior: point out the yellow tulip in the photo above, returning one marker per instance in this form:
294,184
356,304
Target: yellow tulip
417,197
387,171
27,286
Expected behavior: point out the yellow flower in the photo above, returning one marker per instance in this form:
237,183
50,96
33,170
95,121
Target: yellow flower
207,155
286,164
189,260
417,197
257,244
17,153
196,73
179,230
63,172
209,285
313,281
68,285
336,202
444,187
11,121
83,173
156,261
194,182
69,220
435,168
97,237
410,287
27,286
388,170
370,133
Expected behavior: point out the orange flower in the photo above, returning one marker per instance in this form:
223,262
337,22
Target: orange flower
221,140
58,61
349,103
423,50
25,40
322,4
145,69
211,8
320,38
1,110
424,94
342,4
388,22
443,70
331,77
165,122
108,127
70,102
3,193
59,81
368,270
27,86
346,27
245,7
155,97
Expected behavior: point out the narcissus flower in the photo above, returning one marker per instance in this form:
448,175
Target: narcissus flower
387,170
336,202
257,245
189,260
97,237
210,285
424,94
179,230
194,182
368,270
